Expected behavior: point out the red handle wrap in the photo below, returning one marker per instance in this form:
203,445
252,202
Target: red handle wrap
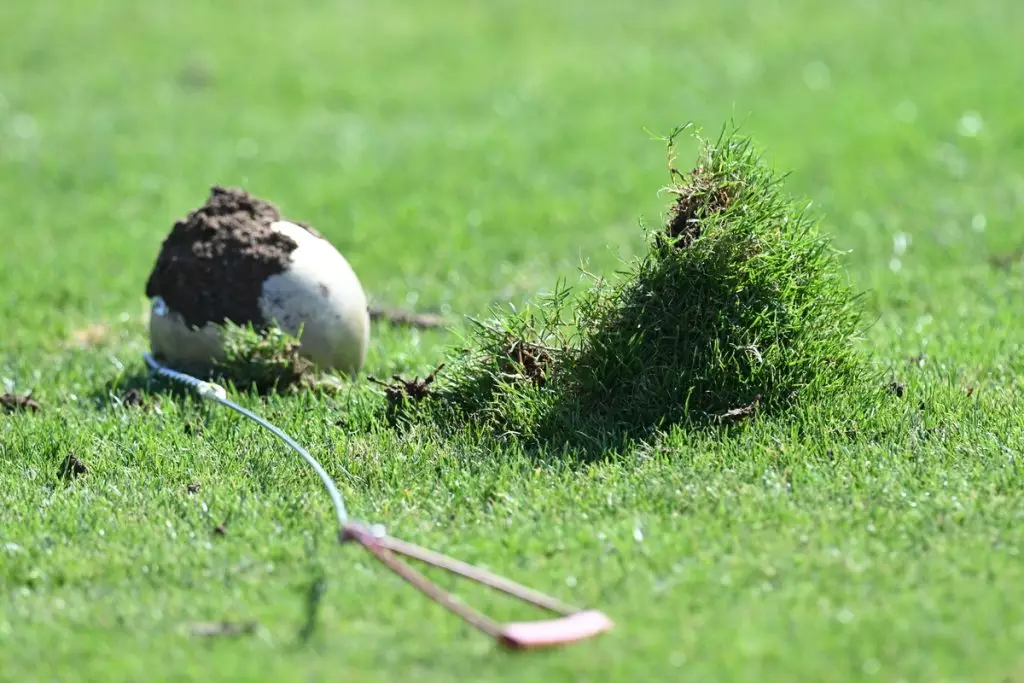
534,634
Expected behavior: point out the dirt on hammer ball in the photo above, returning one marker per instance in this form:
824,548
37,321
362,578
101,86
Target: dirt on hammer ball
212,266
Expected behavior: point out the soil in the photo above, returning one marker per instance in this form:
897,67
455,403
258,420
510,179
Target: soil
423,321
12,403
531,361
133,398
72,467
698,196
400,389
212,265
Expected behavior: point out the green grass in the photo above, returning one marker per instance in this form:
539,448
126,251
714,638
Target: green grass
470,156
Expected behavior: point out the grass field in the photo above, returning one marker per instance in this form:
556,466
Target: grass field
466,155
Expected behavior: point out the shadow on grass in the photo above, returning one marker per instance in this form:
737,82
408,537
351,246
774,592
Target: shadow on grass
663,357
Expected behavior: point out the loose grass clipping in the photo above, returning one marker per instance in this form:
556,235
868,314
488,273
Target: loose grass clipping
739,301
265,360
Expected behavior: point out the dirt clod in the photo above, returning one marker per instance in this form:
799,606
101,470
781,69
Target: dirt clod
399,389
72,467
13,403
266,361
741,413
399,318
698,195
526,360
212,265
193,487
133,398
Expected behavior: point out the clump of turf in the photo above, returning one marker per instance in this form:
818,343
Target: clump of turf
739,306
500,377
265,360
401,393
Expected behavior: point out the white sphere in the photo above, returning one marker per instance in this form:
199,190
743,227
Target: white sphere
317,298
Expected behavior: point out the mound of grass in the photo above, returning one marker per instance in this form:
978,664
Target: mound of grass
738,305
264,360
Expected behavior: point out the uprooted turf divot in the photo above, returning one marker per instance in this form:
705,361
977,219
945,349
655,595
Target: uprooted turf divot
266,361
739,307
401,392
400,389
699,195
12,403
